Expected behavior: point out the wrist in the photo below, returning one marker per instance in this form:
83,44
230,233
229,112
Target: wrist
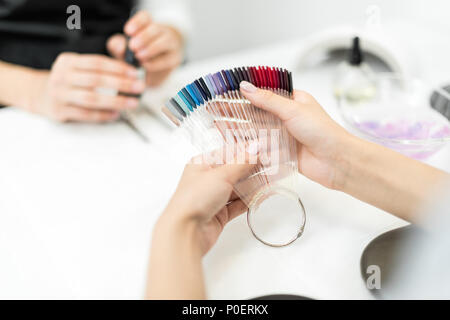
179,228
182,208
18,84
36,85
345,160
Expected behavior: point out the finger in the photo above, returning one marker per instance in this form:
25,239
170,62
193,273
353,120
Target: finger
235,209
101,80
73,113
218,157
233,196
144,37
304,97
230,153
235,172
90,99
269,101
139,21
116,46
163,62
197,164
100,63
161,44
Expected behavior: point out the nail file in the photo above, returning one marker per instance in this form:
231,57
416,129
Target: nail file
130,58
125,116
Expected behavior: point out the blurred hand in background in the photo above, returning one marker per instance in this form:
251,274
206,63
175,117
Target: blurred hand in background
69,91
158,47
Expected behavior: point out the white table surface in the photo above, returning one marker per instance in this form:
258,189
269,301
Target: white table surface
78,203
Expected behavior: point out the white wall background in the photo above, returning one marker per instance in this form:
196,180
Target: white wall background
227,26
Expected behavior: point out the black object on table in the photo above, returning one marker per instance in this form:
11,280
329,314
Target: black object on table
440,101
387,251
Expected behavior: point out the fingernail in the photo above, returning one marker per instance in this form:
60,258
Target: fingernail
132,103
247,87
138,86
253,147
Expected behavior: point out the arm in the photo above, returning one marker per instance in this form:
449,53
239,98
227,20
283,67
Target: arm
175,270
18,84
193,220
387,179
331,156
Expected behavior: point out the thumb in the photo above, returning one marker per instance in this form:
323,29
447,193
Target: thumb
233,172
116,46
238,168
282,107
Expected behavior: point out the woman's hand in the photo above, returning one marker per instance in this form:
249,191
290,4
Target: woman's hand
158,47
332,157
70,91
320,140
205,200
193,220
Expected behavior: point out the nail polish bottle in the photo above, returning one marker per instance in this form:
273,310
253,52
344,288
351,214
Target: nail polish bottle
130,58
354,77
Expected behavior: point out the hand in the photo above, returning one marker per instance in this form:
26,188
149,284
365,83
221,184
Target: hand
193,220
205,199
331,156
158,47
320,140
68,92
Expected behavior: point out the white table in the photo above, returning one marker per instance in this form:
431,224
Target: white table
78,202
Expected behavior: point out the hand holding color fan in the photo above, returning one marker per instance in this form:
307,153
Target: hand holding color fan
215,116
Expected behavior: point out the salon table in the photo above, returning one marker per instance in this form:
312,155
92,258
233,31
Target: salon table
78,203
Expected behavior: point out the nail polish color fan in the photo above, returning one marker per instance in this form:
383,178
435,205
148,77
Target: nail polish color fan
214,115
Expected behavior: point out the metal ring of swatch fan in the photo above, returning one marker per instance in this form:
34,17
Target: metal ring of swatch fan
295,236
214,114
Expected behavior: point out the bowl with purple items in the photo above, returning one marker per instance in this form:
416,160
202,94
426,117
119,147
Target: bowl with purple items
397,114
